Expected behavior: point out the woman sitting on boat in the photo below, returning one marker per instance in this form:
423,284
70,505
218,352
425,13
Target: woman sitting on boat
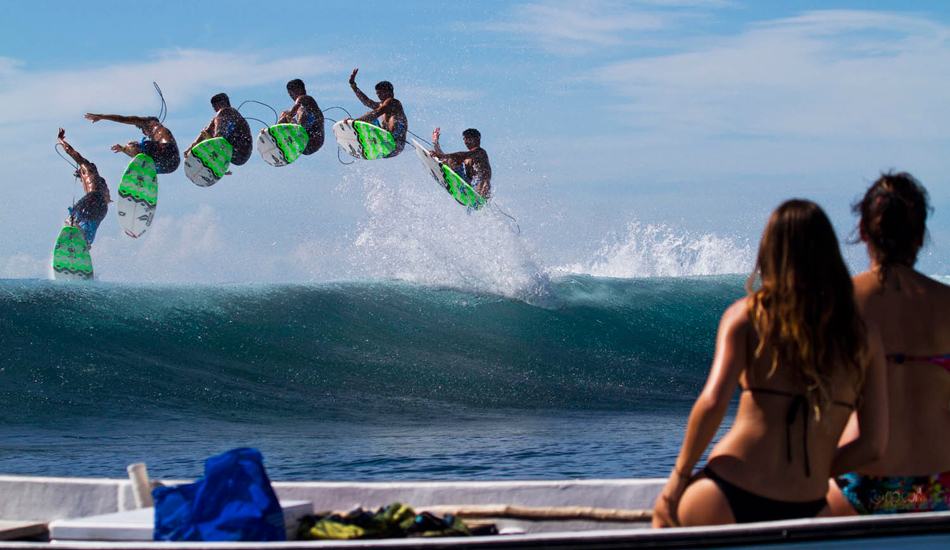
911,311
804,359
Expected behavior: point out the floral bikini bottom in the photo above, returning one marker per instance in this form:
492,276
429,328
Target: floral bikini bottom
894,494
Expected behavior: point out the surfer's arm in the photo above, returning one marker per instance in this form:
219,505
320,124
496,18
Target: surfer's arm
291,114
379,109
121,119
205,134
61,136
460,156
436,148
364,99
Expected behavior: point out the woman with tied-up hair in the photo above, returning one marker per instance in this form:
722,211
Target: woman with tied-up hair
911,311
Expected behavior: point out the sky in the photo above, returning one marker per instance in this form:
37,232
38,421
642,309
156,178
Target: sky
627,139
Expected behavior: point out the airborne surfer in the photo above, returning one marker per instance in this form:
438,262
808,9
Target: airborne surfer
306,113
387,113
229,124
471,165
158,143
89,211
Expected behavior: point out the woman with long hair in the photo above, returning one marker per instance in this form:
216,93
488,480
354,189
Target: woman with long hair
910,310
804,359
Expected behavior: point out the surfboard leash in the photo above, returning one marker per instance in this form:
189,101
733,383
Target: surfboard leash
340,108
74,166
163,112
276,116
419,138
338,148
502,212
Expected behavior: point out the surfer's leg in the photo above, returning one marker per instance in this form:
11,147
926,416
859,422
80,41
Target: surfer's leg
87,213
314,141
165,155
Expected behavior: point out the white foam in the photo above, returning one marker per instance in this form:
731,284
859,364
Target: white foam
416,232
651,250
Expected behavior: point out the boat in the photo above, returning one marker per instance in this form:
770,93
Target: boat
561,514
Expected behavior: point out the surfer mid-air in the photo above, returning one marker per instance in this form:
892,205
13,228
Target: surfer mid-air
306,113
388,113
471,165
158,143
230,125
91,209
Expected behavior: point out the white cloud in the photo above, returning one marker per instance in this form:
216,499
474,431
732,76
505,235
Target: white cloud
828,74
184,75
572,27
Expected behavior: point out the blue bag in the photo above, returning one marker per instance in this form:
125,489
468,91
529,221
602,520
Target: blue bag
232,502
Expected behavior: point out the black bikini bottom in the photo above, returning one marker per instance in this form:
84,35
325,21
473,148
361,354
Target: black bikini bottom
748,507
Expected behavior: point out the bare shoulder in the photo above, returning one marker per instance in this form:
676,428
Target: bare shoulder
736,321
939,288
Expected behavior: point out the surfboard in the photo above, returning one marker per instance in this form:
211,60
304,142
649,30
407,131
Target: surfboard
282,144
460,189
138,196
363,140
71,259
207,162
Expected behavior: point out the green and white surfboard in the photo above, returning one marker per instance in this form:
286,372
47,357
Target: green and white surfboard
208,161
138,196
364,140
282,144
71,259
460,189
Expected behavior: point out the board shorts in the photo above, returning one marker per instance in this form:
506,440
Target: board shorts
399,135
314,136
895,494
241,145
88,213
165,155
463,173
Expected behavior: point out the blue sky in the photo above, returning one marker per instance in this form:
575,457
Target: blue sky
626,138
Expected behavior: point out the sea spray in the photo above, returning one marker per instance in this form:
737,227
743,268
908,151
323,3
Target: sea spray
651,250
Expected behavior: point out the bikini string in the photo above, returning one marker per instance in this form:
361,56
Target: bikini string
799,402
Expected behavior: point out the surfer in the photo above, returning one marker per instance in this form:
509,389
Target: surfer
471,165
158,143
91,209
306,113
387,113
229,124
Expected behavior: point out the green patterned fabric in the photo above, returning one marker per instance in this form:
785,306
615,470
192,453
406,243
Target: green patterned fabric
215,154
376,142
461,190
71,259
139,182
291,139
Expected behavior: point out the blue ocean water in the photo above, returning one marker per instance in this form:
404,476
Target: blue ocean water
355,381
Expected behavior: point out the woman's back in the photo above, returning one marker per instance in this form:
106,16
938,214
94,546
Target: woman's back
910,310
776,445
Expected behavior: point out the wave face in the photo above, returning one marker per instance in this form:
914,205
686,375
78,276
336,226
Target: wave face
351,351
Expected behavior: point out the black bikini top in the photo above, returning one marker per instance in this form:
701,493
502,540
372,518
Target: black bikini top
798,403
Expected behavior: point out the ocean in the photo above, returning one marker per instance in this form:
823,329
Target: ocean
593,377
